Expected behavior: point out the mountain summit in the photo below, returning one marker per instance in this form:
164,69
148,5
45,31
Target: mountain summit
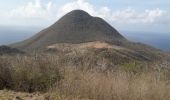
76,26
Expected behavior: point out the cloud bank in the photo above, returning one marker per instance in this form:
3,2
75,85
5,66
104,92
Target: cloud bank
50,12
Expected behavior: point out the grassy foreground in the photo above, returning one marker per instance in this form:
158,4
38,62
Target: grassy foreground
52,78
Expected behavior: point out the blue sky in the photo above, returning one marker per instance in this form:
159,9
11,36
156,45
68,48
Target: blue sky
130,15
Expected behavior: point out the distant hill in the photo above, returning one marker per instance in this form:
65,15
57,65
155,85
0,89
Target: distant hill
75,27
78,29
5,50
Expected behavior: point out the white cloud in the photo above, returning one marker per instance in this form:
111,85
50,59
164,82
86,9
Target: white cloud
124,16
48,11
132,16
34,10
77,4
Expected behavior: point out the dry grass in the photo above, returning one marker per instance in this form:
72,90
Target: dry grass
96,44
28,74
112,86
61,77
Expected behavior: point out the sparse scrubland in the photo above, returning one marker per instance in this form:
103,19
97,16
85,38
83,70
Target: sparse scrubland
81,57
78,76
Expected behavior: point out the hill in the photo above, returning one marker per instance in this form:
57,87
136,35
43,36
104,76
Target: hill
5,50
78,27
81,57
74,27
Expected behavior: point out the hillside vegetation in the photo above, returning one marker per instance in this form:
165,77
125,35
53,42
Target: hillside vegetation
82,57
78,76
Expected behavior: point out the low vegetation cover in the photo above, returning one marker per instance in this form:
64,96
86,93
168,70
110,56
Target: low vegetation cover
82,57
77,76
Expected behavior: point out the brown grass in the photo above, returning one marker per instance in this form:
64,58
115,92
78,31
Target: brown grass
112,86
28,74
62,77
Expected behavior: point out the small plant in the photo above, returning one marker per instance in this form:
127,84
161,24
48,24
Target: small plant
131,67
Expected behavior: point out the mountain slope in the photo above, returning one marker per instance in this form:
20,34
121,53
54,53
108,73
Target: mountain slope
75,27
78,29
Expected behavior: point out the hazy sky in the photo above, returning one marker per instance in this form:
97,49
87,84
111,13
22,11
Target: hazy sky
130,15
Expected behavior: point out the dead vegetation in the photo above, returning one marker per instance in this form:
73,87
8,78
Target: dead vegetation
92,75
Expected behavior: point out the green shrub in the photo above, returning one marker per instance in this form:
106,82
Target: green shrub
131,67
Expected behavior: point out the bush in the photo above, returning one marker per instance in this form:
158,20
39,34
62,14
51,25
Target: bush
5,73
132,67
28,74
